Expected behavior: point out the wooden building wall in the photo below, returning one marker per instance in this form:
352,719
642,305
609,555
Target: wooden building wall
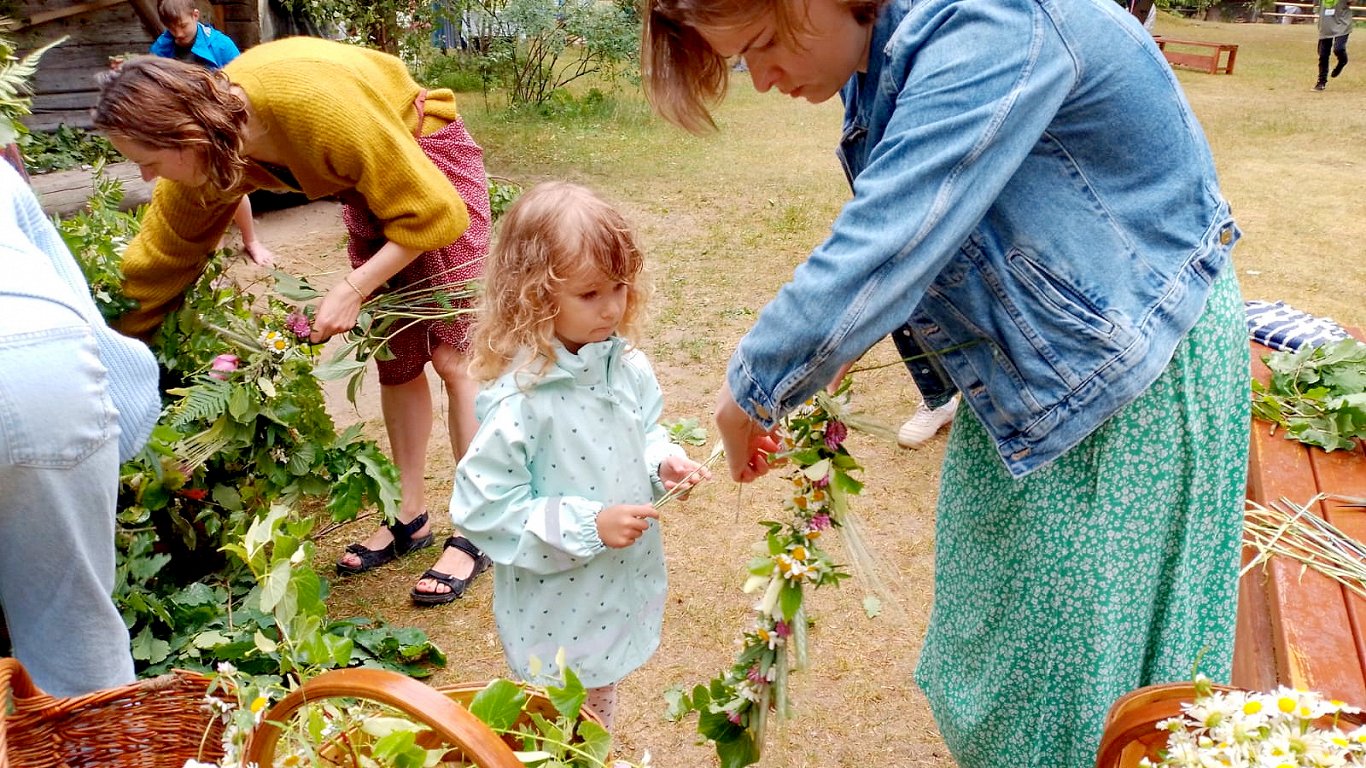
65,86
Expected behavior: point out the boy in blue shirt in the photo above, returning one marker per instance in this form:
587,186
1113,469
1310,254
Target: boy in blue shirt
189,40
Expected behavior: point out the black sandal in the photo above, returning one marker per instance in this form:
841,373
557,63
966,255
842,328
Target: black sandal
402,544
456,585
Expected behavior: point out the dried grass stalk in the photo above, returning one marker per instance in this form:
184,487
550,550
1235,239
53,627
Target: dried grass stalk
1291,530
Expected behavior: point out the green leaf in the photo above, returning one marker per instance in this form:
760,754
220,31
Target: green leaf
678,704
499,704
227,497
738,752
569,699
596,741
274,585
148,648
338,368
240,403
293,288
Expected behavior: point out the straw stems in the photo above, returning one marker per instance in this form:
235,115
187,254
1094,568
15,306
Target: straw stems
1292,531
686,484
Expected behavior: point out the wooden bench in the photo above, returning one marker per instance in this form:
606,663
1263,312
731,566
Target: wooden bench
1210,58
1297,627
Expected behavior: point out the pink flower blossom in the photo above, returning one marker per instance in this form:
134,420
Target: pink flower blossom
222,366
818,522
782,629
756,677
297,324
822,482
835,432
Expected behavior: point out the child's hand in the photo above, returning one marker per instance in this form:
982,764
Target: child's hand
676,470
620,525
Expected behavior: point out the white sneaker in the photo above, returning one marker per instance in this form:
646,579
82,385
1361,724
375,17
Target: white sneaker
925,423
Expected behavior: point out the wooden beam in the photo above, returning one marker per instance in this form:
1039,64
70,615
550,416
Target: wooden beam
147,14
43,17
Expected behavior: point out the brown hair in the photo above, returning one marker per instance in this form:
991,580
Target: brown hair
169,104
552,233
684,77
171,11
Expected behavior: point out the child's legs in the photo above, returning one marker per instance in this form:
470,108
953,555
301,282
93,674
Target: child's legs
603,702
1340,49
1325,46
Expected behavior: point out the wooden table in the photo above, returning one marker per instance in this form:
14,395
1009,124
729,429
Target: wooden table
1297,627
1210,58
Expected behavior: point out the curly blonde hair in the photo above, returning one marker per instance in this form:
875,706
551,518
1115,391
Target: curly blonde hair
685,78
169,104
552,233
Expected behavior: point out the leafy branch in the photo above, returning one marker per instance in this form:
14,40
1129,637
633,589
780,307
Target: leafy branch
1317,394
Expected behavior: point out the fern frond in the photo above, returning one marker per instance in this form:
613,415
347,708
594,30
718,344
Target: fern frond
203,402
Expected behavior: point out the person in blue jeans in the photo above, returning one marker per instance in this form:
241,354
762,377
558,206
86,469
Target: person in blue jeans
1034,196
76,399
188,39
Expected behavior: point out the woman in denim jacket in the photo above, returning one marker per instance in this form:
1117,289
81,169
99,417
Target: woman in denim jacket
76,398
1035,199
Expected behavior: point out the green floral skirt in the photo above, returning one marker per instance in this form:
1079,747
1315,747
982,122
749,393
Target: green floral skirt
1114,567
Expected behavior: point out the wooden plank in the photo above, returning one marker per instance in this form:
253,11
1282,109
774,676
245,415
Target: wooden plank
1200,61
1343,473
43,17
146,11
65,192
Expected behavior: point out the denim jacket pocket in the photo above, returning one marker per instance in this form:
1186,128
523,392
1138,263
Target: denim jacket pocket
55,408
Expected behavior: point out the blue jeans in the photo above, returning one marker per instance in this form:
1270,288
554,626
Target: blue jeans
58,486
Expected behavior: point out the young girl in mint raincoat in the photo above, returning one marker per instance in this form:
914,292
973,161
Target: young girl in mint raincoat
559,483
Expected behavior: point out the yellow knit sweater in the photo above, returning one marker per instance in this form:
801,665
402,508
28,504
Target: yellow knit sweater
345,117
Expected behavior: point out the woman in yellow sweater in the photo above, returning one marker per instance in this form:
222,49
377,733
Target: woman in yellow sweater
326,119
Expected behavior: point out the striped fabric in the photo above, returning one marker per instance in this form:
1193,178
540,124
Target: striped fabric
1281,326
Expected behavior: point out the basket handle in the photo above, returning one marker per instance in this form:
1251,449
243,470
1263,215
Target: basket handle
450,721
15,684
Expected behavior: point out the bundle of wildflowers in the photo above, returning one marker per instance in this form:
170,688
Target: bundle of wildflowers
383,317
1283,729
734,708
1293,531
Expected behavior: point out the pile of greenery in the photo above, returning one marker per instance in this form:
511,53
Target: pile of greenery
65,148
243,431
1317,394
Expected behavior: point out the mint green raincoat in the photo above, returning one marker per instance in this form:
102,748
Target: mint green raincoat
550,453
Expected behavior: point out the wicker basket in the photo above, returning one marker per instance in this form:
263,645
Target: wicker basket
1131,731
157,723
162,722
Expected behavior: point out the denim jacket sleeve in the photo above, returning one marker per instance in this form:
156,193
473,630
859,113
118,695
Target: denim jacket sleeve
970,86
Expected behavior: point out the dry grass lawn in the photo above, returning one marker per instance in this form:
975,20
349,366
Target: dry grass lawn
724,220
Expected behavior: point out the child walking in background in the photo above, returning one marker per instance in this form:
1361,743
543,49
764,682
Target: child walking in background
558,484
189,40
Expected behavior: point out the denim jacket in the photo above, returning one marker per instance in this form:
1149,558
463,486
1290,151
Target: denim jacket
1033,192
